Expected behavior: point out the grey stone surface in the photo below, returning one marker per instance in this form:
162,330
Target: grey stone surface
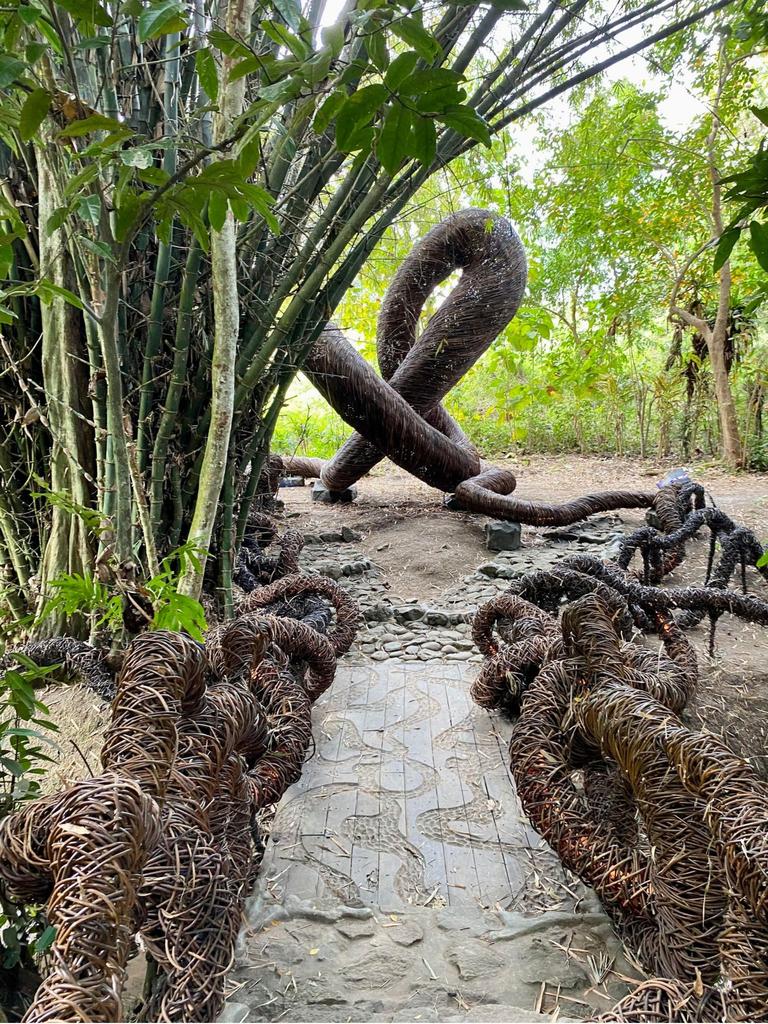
401,881
321,493
502,536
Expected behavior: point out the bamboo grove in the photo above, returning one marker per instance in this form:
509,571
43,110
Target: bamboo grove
188,190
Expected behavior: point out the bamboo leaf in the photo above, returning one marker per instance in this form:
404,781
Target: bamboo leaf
392,144
725,246
48,291
217,209
284,37
413,33
400,69
758,242
466,122
56,220
45,940
423,141
228,44
332,36
328,111
10,69
33,113
357,113
86,10
205,66
94,123
160,18
290,11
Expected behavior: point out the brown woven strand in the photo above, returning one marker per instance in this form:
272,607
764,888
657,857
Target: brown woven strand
162,843
399,414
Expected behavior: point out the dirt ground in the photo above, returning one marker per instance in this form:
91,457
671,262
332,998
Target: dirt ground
423,548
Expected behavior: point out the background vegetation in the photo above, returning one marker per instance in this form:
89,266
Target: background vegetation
618,206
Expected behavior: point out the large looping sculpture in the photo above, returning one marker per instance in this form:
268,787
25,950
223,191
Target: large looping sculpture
666,824
399,414
164,843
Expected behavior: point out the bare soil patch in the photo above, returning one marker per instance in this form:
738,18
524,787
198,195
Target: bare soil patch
423,548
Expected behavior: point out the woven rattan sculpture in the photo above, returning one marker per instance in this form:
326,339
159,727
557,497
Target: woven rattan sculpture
399,415
163,844
666,824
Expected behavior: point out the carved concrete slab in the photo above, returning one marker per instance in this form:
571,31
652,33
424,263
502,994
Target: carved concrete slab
407,800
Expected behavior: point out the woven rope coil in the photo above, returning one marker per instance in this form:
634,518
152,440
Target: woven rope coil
667,825
399,414
162,844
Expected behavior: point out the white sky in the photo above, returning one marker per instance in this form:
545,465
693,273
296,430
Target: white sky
677,111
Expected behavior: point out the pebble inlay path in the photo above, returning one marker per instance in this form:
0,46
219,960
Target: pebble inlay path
401,881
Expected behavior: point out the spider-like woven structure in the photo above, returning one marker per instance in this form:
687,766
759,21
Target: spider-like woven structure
164,843
399,415
666,824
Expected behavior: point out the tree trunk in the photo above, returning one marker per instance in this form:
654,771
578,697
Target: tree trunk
226,310
67,548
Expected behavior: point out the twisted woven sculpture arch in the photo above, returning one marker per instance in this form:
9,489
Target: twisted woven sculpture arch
667,825
163,842
399,415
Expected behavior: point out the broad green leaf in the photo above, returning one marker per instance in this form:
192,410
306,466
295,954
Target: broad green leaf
357,113
288,89
94,123
423,141
466,122
154,175
86,10
392,144
207,72
56,219
413,33
100,249
10,69
93,43
159,18
725,246
400,69
500,5
34,51
36,106
138,156
290,11
228,44
89,208
761,113
126,214
758,242
328,111
376,45
48,291
217,209
45,940
29,14
284,37
430,80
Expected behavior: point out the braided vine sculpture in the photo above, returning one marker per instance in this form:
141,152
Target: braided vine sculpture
399,414
164,843
666,824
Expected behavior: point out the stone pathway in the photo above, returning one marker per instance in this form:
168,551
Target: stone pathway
401,881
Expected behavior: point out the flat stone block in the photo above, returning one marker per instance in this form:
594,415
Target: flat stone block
321,493
292,481
502,536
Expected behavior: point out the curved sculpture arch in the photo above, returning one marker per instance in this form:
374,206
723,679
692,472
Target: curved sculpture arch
399,415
